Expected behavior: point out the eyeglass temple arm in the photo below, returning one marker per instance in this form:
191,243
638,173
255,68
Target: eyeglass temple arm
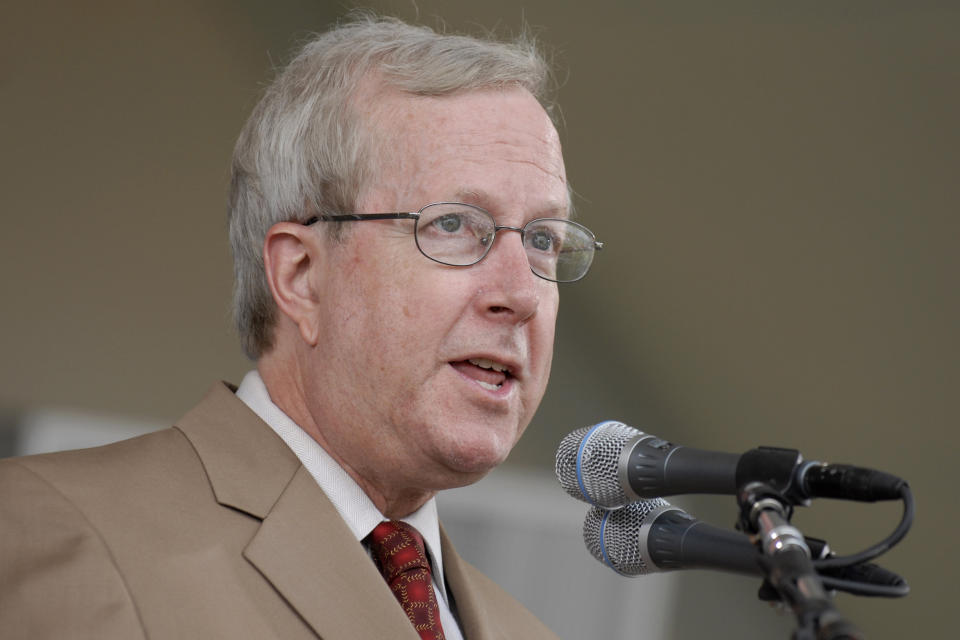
356,217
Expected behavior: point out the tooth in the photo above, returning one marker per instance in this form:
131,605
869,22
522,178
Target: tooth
488,386
488,364
483,363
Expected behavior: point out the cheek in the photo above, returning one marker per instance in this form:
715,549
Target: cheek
429,296
543,338
547,323
404,317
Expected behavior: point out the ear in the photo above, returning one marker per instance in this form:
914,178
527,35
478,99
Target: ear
292,254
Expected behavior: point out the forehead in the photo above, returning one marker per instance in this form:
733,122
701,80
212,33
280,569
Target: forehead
496,148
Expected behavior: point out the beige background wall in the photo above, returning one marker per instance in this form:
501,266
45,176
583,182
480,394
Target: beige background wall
775,181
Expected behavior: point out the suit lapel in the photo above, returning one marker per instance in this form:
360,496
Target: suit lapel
313,560
475,620
302,546
247,463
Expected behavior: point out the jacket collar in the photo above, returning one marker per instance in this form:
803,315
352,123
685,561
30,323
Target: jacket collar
302,546
236,448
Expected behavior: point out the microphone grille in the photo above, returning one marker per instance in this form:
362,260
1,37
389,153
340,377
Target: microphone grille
613,537
587,463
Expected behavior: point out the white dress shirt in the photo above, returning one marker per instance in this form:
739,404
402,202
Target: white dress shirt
353,505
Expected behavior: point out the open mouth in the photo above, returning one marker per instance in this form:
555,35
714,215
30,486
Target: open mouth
489,374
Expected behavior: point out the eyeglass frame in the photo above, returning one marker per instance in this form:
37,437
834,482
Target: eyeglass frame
415,216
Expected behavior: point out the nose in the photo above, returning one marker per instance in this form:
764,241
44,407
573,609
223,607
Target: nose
510,291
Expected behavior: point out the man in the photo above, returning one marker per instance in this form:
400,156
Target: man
399,223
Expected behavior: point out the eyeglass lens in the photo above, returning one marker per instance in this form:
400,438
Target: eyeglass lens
461,235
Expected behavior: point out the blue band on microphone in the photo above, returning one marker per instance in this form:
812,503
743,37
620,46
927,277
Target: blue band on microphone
583,444
603,540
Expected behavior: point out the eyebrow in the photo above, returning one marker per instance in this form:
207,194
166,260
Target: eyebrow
483,199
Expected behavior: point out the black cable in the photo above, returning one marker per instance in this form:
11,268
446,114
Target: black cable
881,547
864,589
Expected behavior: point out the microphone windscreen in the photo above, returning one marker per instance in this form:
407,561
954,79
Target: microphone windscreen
613,537
588,461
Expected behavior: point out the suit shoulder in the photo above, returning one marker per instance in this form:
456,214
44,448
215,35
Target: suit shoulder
109,489
52,559
136,455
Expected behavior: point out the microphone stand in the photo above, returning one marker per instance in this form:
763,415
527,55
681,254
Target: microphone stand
787,565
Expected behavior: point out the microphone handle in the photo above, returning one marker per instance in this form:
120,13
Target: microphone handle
656,468
677,540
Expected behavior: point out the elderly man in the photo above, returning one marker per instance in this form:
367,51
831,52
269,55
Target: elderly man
399,223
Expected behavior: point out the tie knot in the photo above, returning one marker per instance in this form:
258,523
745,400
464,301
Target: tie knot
398,548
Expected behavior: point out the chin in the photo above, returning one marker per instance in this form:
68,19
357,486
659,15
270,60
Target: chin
477,459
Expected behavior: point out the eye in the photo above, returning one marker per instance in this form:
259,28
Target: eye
541,240
448,223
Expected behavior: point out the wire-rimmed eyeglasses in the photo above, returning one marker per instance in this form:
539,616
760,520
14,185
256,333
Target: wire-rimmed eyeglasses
460,235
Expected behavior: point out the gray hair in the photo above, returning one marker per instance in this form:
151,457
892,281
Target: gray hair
305,150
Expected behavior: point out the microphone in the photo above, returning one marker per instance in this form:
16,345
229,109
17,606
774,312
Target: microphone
650,536
611,464
653,536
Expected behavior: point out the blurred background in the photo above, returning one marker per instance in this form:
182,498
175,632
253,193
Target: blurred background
776,184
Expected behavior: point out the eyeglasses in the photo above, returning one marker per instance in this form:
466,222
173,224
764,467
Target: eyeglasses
460,235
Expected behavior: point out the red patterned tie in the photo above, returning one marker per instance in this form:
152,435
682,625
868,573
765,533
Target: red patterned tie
401,556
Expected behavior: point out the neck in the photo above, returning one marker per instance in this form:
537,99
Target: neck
281,379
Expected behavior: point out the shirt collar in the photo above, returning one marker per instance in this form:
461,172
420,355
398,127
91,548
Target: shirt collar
353,505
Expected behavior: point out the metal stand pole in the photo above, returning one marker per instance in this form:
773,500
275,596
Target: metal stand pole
787,565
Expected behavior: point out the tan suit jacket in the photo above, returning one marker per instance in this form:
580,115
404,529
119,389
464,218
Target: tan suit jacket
210,529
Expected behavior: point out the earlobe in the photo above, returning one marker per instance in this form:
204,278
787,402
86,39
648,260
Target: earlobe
291,256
